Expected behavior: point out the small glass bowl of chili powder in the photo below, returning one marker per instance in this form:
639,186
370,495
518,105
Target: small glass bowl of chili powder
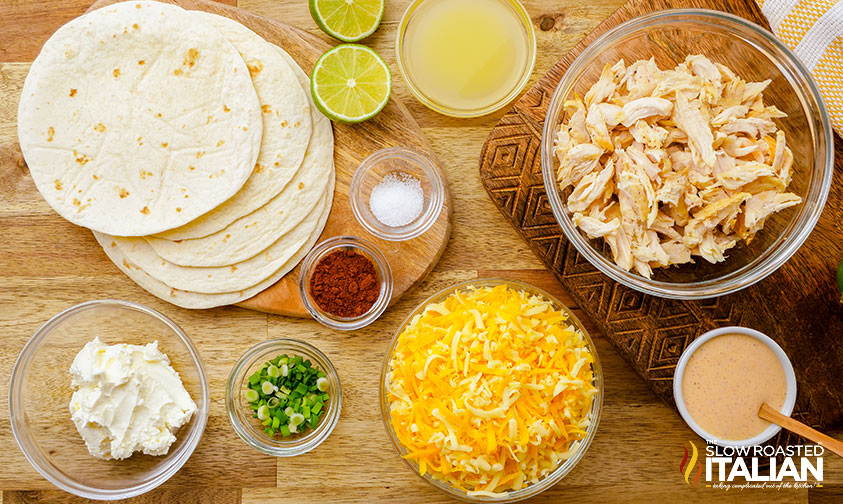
345,283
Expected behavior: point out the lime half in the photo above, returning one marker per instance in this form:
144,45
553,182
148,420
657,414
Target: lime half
347,20
350,83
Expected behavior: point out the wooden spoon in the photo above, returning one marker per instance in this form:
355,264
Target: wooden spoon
772,415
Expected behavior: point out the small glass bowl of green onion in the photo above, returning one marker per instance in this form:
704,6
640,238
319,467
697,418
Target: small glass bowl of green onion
283,397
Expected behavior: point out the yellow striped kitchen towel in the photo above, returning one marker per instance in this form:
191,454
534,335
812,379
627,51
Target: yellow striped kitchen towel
813,29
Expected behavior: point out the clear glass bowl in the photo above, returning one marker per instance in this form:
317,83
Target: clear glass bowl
401,161
250,429
361,246
752,53
581,446
524,72
40,394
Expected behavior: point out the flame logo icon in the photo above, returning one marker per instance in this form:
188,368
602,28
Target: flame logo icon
686,467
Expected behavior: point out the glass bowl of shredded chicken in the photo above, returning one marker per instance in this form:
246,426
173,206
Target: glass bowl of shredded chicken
491,391
687,153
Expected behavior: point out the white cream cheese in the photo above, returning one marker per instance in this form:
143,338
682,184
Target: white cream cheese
127,398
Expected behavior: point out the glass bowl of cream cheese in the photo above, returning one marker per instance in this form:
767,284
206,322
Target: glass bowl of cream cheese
108,399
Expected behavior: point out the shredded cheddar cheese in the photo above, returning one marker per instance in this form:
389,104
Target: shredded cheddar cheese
490,389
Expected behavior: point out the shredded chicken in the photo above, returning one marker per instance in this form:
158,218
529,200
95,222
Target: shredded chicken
645,107
670,164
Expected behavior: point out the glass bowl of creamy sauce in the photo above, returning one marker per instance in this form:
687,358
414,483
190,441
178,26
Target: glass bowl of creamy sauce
724,377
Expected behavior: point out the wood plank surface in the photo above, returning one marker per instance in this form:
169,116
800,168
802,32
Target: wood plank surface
798,305
635,455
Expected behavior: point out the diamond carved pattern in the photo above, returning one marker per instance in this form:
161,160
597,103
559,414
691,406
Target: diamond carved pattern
630,302
506,155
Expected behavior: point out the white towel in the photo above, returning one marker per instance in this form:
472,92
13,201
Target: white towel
814,30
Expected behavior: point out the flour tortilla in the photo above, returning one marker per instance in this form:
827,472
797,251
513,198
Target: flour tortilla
138,118
287,128
253,233
195,300
220,279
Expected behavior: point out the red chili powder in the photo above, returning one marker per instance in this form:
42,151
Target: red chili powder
345,284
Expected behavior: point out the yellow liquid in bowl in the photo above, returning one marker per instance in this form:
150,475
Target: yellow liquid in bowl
465,54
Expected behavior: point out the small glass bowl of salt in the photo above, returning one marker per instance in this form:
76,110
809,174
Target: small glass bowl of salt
397,194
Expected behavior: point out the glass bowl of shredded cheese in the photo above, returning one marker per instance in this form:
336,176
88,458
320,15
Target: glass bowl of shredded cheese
491,391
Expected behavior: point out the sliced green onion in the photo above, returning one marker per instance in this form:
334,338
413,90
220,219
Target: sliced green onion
288,395
322,384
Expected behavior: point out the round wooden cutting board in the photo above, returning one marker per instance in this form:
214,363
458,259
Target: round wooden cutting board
410,260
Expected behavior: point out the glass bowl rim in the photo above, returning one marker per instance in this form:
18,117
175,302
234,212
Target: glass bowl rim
780,251
16,413
381,264
526,23
564,468
423,222
326,425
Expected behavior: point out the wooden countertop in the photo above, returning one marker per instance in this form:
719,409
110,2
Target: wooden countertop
635,456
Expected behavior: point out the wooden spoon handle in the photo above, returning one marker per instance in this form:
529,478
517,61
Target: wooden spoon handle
768,413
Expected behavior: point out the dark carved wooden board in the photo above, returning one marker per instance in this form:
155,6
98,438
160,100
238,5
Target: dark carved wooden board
798,306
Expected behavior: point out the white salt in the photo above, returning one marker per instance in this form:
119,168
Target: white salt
397,200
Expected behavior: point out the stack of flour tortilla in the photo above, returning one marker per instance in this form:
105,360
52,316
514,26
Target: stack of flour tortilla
186,142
